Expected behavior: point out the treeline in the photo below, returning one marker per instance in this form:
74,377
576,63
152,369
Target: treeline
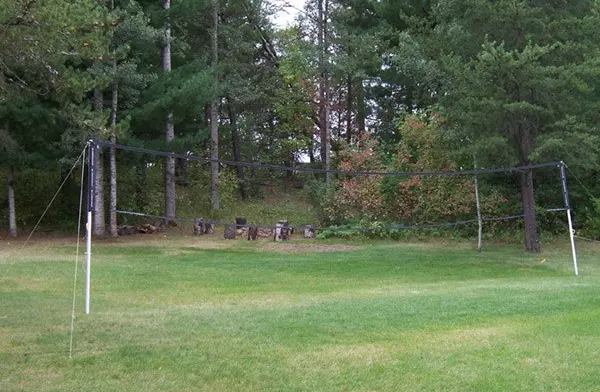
427,85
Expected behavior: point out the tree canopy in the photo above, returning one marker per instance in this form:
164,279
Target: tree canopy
491,83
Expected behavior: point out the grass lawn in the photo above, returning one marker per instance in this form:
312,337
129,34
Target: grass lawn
188,314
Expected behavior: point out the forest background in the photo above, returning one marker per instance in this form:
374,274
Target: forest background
349,84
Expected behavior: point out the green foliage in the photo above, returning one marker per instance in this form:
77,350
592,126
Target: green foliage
414,199
421,85
319,196
34,189
592,223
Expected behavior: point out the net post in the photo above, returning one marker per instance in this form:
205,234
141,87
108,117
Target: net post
88,227
478,205
479,221
563,180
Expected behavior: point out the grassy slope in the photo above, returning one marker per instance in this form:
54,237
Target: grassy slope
175,314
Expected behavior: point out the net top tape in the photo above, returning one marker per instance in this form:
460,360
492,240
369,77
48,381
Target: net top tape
104,144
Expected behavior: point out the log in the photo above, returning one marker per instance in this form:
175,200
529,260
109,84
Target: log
252,233
229,232
145,228
126,230
265,233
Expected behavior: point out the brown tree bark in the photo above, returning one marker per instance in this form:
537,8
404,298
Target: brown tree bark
237,156
114,105
113,229
214,115
169,127
12,211
360,107
349,107
525,147
99,221
323,15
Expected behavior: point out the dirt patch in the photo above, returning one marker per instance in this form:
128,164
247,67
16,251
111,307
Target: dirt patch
305,248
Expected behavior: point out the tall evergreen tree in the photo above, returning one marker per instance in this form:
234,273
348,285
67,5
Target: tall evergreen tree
44,77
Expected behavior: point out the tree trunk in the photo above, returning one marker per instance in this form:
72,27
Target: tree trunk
327,93
214,115
113,229
531,240
181,171
525,146
360,107
349,100
12,211
99,221
322,117
324,88
169,128
237,157
114,105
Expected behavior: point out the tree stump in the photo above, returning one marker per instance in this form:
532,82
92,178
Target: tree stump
209,228
198,227
309,231
229,232
252,233
286,232
282,231
240,222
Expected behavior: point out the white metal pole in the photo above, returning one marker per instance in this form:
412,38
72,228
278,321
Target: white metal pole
563,179
572,234
88,261
88,253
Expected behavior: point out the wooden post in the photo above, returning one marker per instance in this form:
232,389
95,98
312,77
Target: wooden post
479,221
478,205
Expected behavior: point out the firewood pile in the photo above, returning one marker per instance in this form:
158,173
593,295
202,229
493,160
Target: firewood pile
201,227
144,228
242,230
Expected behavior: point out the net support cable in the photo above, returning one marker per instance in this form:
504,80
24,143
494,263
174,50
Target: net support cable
72,329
